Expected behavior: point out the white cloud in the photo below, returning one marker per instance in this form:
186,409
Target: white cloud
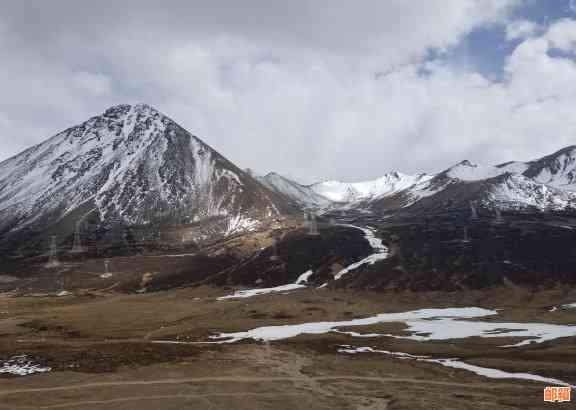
4,121
535,74
562,35
314,89
521,29
93,83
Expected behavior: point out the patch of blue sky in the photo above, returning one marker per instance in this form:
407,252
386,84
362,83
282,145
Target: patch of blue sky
485,49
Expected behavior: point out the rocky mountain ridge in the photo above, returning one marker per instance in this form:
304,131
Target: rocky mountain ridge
130,165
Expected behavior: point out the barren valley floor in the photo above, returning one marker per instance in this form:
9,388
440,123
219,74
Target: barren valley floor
142,351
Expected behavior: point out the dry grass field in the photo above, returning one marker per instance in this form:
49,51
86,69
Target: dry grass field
117,351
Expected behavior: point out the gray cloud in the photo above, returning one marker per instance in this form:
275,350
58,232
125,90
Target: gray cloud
313,89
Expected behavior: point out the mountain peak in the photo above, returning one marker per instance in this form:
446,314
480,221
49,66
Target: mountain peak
467,163
273,175
557,169
130,163
125,109
387,184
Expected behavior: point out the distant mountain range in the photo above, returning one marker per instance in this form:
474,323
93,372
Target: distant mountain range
548,183
133,166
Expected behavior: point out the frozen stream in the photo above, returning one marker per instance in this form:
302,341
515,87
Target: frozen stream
380,253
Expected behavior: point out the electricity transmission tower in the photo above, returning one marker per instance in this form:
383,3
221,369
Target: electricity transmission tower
473,212
499,219
466,236
77,245
274,256
53,261
312,225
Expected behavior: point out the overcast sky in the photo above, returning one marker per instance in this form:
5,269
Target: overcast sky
313,89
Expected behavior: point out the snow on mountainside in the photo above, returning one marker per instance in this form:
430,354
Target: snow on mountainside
512,191
363,191
135,166
544,184
506,192
301,194
507,186
557,170
131,164
548,183
467,171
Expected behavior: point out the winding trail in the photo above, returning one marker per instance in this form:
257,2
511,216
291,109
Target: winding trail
154,397
251,379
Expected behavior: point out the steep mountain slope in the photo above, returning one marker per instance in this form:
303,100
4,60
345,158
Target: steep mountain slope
505,192
130,164
511,185
557,170
467,171
293,191
506,186
547,183
517,192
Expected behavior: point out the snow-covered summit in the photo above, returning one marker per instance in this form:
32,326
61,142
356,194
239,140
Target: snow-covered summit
131,163
468,171
557,170
388,184
515,191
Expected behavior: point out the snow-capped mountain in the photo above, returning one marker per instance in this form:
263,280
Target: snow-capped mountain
301,194
557,170
511,191
388,184
543,184
548,183
507,191
132,164
467,171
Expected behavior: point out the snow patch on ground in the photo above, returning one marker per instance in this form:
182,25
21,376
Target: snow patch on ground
423,325
241,223
456,364
299,284
21,366
269,333
448,328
